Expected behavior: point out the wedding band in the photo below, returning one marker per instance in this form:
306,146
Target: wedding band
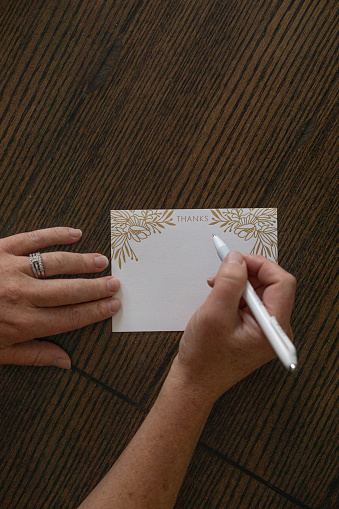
37,265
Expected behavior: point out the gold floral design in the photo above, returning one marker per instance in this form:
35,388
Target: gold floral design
127,226
248,223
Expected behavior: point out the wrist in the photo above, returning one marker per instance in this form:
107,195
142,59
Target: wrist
190,387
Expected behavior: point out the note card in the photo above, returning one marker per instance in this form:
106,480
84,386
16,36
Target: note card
164,257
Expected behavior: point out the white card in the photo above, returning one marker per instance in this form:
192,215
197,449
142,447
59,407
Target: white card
164,257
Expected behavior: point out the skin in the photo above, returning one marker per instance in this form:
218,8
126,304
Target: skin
32,308
221,345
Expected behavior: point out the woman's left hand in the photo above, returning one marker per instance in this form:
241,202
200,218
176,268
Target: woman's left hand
31,308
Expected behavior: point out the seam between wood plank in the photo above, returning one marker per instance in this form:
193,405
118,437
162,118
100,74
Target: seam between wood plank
254,476
221,456
109,389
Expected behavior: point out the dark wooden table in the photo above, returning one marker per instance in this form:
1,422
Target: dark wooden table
162,104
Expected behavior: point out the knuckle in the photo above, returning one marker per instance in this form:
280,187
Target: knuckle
36,235
75,318
14,294
232,281
84,261
58,261
234,271
37,360
103,309
100,290
55,235
231,284
59,232
291,281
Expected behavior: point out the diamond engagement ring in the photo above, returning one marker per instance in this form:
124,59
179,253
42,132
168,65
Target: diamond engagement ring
37,265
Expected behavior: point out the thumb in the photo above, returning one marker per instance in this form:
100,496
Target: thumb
35,353
228,287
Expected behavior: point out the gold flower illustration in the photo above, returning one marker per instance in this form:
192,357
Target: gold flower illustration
127,226
257,223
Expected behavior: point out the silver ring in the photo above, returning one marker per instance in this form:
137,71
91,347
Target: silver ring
37,265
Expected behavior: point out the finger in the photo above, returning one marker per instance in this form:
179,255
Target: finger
50,321
253,280
68,263
266,271
35,353
229,285
280,286
26,243
64,292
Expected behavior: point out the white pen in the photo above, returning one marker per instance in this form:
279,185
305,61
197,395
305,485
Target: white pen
280,342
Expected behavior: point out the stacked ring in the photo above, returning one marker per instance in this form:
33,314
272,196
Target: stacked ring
37,265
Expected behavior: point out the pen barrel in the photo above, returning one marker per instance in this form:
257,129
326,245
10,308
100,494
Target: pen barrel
278,339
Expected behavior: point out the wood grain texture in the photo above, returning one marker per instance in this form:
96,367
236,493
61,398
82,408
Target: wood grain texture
133,104
62,453
54,453
212,483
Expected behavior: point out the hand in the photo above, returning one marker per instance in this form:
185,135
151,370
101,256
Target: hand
32,308
223,342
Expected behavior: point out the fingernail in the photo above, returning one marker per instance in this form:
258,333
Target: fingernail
112,284
101,262
114,305
210,281
234,257
62,363
75,233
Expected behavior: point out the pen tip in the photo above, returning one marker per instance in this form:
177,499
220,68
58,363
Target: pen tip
213,235
293,367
